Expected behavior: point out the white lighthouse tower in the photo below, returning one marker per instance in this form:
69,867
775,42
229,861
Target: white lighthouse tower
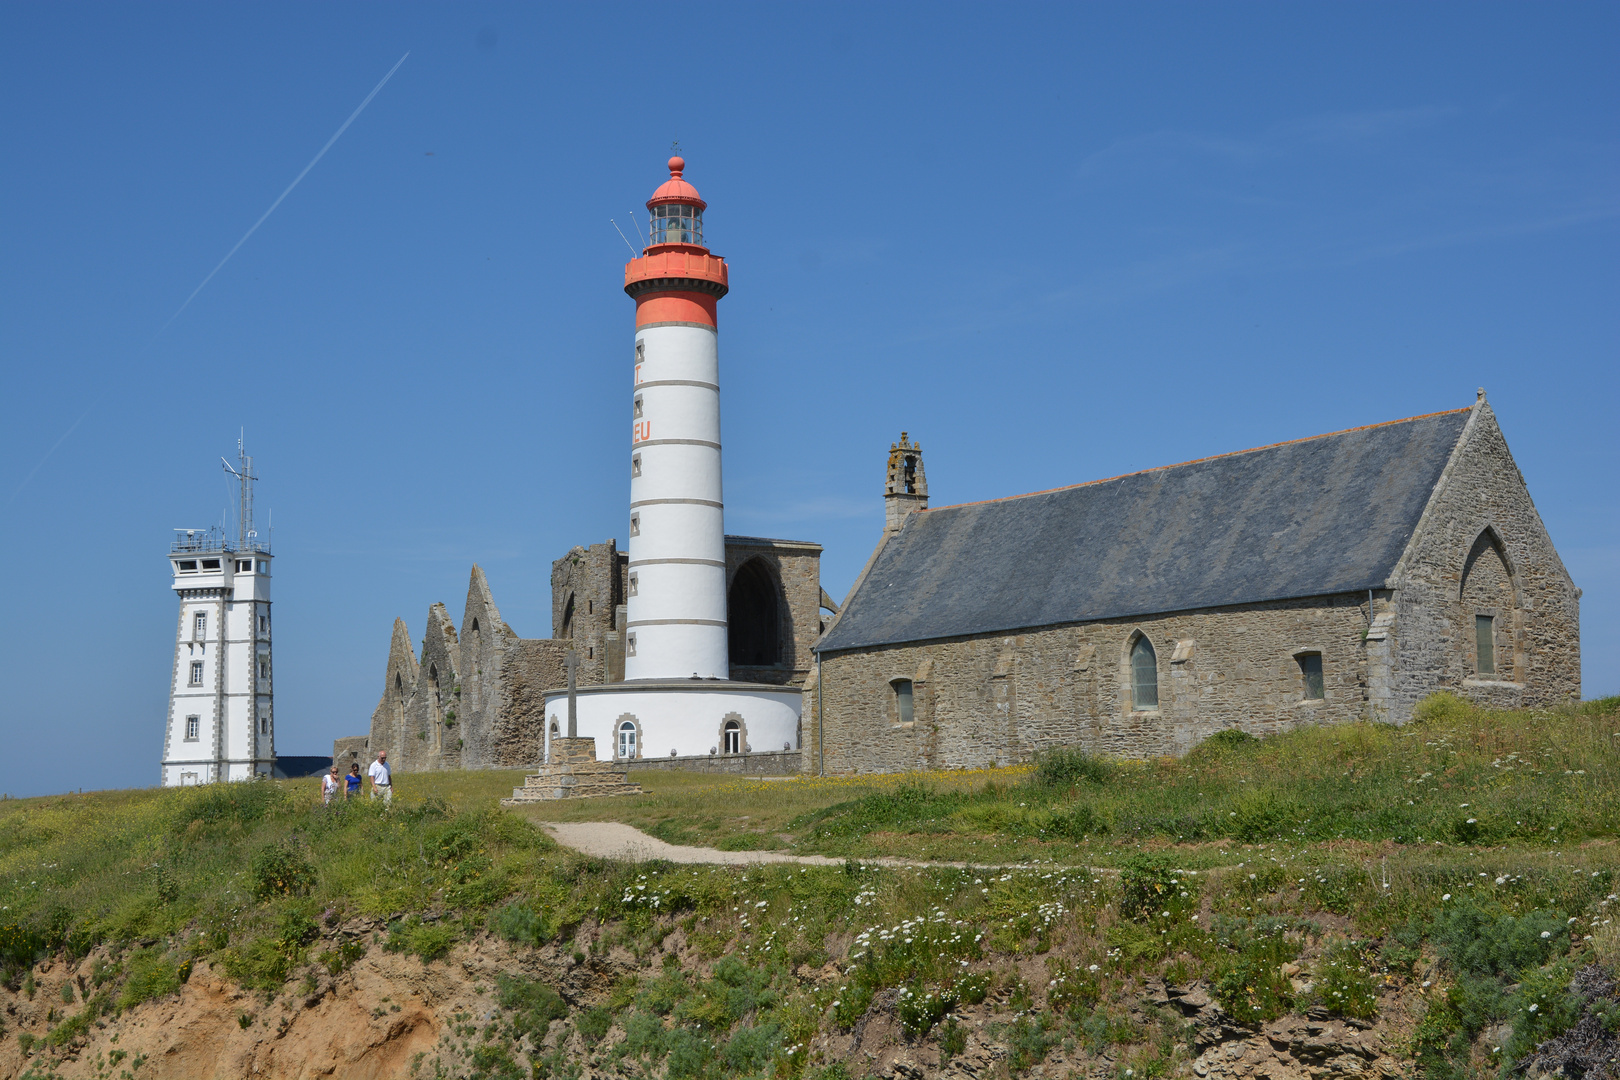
676,620
677,697
221,718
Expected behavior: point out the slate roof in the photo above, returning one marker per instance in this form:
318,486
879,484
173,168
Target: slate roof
1328,514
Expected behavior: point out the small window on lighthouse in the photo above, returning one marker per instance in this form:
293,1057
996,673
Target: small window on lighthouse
199,625
641,352
635,524
192,724
630,645
638,406
635,580
196,672
635,464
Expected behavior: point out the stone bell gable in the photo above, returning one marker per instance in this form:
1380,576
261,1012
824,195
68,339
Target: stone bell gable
1317,581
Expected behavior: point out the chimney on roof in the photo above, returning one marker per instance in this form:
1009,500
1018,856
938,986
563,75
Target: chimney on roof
906,487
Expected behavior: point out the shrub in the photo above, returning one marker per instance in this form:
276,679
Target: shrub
153,973
919,1012
952,1041
1344,984
1443,707
750,1049
534,1005
427,940
518,922
1152,888
593,1023
343,957
1251,985
1067,766
281,869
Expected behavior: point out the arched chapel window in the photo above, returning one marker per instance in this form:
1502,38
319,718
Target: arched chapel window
1144,675
731,738
1310,674
627,739
902,700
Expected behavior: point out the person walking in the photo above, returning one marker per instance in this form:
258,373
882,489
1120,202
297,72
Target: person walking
382,784
329,786
352,786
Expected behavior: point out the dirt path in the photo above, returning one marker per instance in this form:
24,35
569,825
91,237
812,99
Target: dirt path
616,840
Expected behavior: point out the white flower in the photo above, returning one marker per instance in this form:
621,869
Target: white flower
1533,1008
1446,897
1546,933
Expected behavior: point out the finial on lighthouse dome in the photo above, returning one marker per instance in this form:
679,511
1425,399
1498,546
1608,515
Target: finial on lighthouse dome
675,191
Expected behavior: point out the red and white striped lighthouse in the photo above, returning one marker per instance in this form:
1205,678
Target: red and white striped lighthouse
676,619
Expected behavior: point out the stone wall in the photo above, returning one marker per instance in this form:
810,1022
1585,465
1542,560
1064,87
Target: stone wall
587,591
795,567
1481,549
778,763
997,699
355,749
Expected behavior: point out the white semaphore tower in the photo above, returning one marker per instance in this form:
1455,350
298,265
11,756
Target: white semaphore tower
221,718
676,619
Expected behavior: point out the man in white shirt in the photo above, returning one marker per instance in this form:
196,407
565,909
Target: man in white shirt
381,778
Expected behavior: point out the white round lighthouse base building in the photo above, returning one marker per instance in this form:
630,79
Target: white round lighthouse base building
680,718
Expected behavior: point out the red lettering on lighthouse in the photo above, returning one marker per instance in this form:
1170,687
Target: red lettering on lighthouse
643,431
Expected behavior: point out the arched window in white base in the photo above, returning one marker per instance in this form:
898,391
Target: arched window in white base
731,738
627,740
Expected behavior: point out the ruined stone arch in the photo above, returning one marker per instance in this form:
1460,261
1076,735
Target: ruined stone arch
754,606
1488,542
1490,610
568,618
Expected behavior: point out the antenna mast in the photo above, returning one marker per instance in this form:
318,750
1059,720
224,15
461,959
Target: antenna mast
245,533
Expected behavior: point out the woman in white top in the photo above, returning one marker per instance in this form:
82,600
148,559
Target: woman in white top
329,786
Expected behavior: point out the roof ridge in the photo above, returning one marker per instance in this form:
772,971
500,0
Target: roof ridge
1194,461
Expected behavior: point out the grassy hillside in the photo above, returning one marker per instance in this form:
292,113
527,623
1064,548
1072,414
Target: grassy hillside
1441,884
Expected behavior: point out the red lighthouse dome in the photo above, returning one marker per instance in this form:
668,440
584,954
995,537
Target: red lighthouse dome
676,278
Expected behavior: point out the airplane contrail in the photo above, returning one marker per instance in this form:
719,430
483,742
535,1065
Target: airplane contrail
335,136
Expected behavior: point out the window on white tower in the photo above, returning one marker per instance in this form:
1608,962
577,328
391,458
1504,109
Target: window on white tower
193,726
264,725
635,524
264,668
640,409
264,624
196,672
627,740
635,465
199,625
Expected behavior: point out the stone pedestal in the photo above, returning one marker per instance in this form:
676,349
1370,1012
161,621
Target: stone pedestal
574,773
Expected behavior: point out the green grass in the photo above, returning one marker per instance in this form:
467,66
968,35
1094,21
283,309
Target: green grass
1317,848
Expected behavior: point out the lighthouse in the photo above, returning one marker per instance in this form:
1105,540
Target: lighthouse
677,699
675,624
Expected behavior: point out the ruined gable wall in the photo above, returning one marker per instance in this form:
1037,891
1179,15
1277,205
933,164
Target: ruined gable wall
1539,653
997,699
797,567
429,742
399,682
485,639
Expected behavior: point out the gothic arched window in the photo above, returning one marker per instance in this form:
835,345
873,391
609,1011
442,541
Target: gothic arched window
1144,675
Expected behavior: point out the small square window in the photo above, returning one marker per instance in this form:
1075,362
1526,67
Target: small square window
635,464
635,524
244,566
264,566
193,726
264,669
639,410
264,623
635,581
1485,643
641,353
264,725
186,566
210,564
196,672
630,645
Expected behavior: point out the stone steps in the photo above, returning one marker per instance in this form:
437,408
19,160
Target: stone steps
574,773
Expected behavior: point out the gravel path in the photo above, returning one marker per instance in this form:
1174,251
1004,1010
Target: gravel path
616,840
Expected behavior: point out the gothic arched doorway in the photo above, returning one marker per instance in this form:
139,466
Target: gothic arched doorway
753,618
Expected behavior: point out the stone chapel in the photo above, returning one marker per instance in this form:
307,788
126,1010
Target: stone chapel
1323,580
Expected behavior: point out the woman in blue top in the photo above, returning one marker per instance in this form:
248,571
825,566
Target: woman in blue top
352,790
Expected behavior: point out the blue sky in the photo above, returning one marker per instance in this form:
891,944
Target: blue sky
1054,243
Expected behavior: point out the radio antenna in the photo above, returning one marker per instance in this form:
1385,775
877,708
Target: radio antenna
623,237
637,224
